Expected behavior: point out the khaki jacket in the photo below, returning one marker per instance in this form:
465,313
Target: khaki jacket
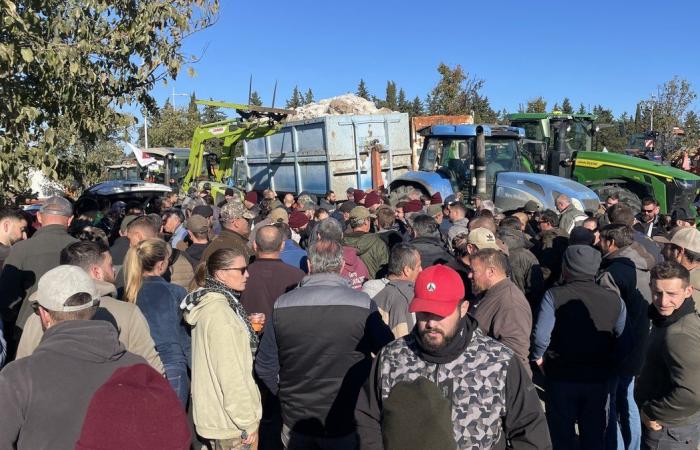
128,319
225,398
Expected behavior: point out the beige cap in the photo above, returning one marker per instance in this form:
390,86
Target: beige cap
360,212
687,238
61,283
197,224
279,215
482,238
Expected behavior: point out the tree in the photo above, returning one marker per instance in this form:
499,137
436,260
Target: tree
390,100
255,99
296,100
67,68
613,137
193,116
581,109
691,126
362,90
402,104
416,107
171,127
556,107
309,97
566,107
448,97
537,105
670,106
212,114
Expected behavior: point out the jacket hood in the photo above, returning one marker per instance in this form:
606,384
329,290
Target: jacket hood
105,289
514,239
88,340
193,315
363,242
350,256
633,255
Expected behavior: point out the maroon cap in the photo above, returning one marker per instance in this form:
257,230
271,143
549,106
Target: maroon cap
358,195
251,197
298,219
372,199
136,404
436,199
413,206
438,290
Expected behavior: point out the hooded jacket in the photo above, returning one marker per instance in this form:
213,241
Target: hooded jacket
130,324
491,398
431,251
354,270
45,396
225,398
371,250
316,351
525,269
626,272
549,249
393,302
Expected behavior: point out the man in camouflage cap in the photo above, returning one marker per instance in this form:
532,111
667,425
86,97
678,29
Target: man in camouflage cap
235,228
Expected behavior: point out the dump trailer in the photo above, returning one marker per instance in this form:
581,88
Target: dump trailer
561,144
327,153
485,161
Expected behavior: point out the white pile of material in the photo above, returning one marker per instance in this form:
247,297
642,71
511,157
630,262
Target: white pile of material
342,104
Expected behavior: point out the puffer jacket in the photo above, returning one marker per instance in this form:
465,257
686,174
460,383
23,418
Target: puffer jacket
571,217
371,249
525,269
431,251
626,272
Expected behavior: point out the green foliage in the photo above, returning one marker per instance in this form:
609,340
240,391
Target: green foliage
255,99
614,137
670,107
390,100
362,90
581,109
212,114
691,126
68,65
416,107
458,93
308,97
566,107
402,104
537,105
170,127
296,100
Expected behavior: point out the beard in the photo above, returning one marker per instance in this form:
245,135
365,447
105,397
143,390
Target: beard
433,345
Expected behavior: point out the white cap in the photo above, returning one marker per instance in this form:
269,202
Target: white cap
61,283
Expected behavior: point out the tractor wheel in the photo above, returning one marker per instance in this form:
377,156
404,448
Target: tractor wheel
627,197
400,192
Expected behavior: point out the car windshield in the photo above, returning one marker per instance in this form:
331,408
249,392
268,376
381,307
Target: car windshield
501,156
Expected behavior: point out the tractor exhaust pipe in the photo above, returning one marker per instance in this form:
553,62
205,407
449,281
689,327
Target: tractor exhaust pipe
480,161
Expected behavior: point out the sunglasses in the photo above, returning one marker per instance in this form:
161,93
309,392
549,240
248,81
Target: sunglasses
648,210
242,270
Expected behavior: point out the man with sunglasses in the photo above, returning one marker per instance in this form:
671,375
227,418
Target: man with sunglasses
235,227
648,219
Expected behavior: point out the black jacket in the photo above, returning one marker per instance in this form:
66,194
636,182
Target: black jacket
316,351
432,251
549,250
487,411
45,396
526,272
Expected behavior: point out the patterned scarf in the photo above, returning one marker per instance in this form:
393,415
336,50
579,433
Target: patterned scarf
213,285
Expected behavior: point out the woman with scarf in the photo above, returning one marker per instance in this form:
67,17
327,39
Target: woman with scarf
226,400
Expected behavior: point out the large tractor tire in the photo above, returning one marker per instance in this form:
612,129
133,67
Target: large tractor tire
627,197
399,192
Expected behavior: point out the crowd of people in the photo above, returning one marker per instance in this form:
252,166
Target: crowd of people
307,322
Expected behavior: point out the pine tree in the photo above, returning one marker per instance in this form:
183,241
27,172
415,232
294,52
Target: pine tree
192,106
296,100
403,104
255,99
581,109
362,90
390,99
537,105
556,107
212,114
566,107
416,107
309,97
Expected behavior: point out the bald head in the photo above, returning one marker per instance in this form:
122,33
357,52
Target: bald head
269,240
483,222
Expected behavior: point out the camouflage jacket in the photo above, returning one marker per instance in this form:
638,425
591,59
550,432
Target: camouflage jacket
492,398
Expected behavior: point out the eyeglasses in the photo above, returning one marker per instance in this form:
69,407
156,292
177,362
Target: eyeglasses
242,270
648,210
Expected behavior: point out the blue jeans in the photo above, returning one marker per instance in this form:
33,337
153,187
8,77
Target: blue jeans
625,426
176,373
672,438
570,403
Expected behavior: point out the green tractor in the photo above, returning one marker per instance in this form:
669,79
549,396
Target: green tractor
560,144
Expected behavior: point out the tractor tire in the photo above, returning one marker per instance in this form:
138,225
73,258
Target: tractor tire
627,197
399,192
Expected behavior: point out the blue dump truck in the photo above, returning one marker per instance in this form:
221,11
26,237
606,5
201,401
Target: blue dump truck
362,151
486,161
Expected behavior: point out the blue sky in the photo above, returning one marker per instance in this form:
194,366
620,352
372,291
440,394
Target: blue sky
610,53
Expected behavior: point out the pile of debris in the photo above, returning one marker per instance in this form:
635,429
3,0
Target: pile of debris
342,104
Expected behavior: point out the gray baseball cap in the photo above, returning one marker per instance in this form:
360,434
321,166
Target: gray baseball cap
56,205
234,210
61,283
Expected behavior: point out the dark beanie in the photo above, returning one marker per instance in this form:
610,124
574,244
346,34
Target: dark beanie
417,416
581,236
581,261
135,408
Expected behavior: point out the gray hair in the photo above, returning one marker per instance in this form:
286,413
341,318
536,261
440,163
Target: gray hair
326,256
402,255
425,226
328,230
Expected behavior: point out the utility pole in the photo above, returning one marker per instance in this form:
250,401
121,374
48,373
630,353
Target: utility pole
145,132
178,95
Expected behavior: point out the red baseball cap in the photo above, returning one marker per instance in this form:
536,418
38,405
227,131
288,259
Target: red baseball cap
438,290
372,199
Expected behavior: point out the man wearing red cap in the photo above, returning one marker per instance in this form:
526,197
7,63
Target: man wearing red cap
373,201
446,385
250,201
